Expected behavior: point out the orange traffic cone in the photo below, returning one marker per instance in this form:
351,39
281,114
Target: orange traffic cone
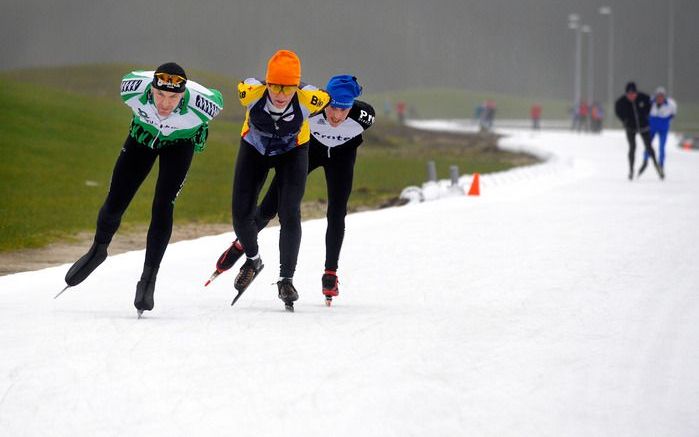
475,186
687,145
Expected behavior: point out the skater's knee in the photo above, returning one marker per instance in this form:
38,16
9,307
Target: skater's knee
243,215
264,215
290,217
336,218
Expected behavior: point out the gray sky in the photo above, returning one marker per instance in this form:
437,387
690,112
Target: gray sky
512,46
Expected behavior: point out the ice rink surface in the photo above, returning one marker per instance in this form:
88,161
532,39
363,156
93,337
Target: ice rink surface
564,301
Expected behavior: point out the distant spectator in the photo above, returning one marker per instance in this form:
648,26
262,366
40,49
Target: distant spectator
478,113
574,116
535,113
583,113
387,107
596,117
400,112
488,115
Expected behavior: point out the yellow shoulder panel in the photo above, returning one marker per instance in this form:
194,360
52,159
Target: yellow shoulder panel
304,133
313,99
250,92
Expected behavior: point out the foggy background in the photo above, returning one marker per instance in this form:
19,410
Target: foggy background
512,46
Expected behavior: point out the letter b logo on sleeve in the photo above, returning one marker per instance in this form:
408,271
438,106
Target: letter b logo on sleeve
315,101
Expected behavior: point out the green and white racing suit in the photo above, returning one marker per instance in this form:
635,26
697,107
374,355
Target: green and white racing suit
189,121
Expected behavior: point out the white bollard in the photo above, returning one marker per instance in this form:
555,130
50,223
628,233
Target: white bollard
431,171
454,173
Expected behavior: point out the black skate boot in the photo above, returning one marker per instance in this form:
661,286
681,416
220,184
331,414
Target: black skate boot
248,272
661,172
86,264
287,293
145,290
227,259
642,169
330,286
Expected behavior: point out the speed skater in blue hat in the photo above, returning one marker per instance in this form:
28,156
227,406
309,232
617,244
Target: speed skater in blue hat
336,133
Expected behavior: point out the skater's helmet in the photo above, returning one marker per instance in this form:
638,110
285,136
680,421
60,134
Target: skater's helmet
343,89
284,68
170,77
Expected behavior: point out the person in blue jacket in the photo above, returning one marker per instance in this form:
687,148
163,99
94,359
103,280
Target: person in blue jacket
663,109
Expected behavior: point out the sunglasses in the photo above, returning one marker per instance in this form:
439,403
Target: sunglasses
287,90
170,79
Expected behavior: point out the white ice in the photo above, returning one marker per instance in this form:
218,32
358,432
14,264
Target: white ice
564,301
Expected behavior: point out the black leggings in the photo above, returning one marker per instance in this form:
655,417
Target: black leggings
133,165
251,169
338,164
645,136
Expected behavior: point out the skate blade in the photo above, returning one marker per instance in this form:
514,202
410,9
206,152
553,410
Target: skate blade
235,299
213,276
289,307
61,292
140,314
328,301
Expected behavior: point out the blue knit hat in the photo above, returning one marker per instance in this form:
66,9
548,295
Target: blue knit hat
343,89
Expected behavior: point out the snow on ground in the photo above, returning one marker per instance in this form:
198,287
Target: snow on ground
561,302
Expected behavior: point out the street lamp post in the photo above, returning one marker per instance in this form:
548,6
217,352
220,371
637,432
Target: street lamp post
590,65
574,24
607,10
670,51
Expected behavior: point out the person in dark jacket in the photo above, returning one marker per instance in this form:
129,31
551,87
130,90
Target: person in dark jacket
633,109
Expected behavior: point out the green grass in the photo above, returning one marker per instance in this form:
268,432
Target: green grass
62,131
58,151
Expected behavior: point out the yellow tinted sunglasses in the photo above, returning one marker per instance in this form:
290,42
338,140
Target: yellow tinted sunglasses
287,90
174,79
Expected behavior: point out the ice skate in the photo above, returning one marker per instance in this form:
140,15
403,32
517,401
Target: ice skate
661,172
330,286
86,264
248,272
227,259
82,268
642,169
287,293
145,289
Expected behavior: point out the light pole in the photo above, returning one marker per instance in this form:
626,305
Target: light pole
590,65
670,51
574,24
606,10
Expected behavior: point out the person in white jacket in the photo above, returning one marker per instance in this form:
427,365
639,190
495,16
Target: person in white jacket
663,110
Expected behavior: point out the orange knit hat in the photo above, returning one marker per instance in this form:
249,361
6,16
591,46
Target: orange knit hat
284,68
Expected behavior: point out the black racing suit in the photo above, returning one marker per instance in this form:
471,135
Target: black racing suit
133,165
334,149
251,171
